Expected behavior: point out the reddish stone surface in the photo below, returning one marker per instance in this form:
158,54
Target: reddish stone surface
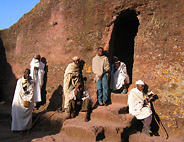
60,29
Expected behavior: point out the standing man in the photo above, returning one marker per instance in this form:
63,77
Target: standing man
138,107
71,77
100,67
22,105
37,74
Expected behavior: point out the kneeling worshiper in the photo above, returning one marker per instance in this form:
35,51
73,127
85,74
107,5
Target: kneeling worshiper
119,77
79,100
138,107
22,105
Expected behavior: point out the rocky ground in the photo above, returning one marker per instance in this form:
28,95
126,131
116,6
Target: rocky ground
110,123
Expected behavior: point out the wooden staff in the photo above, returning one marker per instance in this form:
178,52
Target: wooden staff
43,121
163,130
38,117
31,129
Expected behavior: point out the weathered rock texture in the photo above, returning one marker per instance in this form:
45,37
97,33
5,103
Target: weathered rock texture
146,34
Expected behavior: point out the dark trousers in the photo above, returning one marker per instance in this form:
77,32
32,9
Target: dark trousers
85,105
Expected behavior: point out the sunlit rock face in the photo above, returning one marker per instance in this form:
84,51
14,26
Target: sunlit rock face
146,35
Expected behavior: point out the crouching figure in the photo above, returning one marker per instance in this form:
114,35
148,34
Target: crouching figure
79,100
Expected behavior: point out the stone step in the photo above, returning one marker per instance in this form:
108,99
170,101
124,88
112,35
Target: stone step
93,130
80,130
119,98
55,138
118,108
114,113
107,123
107,113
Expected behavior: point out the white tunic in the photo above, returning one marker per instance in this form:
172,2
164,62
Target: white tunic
69,82
119,77
37,76
22,116
85,95
135,103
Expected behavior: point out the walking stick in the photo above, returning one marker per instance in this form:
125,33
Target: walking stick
38,117
43,121
162,128
31,129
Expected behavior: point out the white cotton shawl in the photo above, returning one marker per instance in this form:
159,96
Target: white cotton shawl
37,76
73,97
119,77
22,116
135,103
72,69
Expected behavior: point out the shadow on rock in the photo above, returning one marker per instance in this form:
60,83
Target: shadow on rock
7,77
56,100
136,126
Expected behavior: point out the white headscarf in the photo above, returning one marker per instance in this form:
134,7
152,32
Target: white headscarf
140,82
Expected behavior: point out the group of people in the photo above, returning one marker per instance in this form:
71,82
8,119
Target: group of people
119,79
27,95
76,96
119,83
101,68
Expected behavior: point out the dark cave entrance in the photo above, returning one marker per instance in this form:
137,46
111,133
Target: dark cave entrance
122,38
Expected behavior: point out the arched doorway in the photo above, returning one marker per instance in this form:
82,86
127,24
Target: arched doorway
122,38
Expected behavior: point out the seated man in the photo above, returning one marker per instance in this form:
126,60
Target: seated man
119,77
22,105
79,99
138,107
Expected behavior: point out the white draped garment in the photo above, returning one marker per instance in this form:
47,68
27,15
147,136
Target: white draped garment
85,95
22,116
119,77
68,84
37,76
136,102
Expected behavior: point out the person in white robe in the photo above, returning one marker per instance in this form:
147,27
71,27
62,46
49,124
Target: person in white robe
37,74
71,77
119,77
138,107
22,105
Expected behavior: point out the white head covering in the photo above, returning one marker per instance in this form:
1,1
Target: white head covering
75,58
139,82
